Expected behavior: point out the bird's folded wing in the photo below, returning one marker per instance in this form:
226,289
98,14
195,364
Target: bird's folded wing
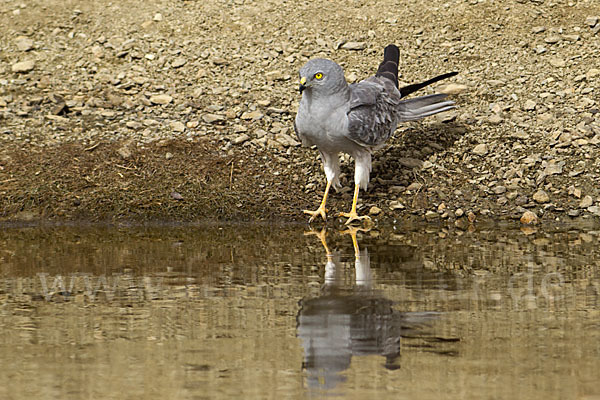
371,117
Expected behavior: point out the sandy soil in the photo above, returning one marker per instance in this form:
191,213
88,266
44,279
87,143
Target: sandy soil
183,110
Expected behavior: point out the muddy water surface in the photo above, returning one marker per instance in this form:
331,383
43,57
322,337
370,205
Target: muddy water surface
270,312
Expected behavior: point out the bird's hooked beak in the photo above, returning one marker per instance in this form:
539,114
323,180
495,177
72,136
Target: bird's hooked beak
302,84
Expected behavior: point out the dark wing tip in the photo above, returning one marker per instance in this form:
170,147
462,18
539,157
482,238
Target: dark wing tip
389,66
406,90
391,53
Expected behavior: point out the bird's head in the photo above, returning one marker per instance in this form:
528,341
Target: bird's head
321,75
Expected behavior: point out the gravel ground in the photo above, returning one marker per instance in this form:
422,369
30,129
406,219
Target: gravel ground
188,105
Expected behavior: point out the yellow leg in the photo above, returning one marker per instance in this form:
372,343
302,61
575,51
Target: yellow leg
321,210
352,215
352,231
322,236
362,269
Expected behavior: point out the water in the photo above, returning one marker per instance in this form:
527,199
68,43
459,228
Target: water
268,312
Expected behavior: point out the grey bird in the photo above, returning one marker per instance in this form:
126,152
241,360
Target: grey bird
356,119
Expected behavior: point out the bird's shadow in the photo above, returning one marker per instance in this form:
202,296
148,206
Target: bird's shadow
399,162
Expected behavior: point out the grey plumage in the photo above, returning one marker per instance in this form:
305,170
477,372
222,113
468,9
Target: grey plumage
376,109
357,118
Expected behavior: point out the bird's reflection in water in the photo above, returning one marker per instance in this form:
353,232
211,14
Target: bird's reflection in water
350,320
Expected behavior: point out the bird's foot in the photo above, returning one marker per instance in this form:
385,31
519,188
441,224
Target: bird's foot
353,230
313,214
322,235
353,216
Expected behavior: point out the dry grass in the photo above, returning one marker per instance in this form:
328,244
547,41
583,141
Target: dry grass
70,182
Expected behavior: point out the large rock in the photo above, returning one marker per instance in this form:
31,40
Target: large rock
23,66
354,46
213,118
23,43
481,149
529,218
161,99
541,197
586,202
453,88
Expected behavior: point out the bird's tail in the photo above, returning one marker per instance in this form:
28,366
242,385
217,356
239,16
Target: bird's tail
389,66
389,69
424,106
406,90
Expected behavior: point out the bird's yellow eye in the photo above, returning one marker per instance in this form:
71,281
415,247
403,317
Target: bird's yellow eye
318,75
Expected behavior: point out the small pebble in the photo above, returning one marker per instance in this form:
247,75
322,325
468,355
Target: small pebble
374,210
